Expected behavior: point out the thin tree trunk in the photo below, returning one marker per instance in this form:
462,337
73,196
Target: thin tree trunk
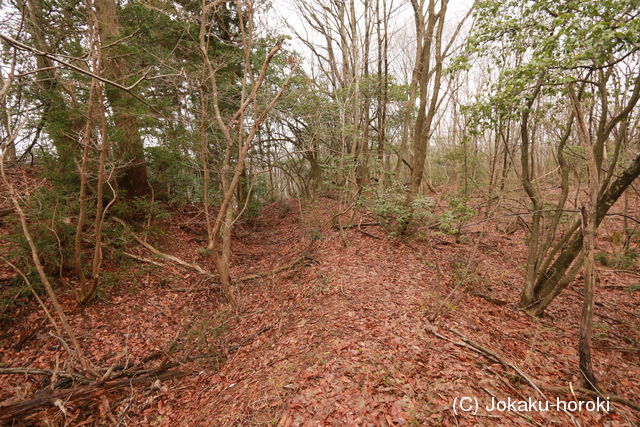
100,208
222,226
536,204
79,353
589,227
84,177
555,279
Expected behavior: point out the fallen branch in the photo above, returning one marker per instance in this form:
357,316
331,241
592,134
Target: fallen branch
488,298
147,260
166,256
59,398
492,356
250,277
477,349
349,226
620,349
502,362
199,269
280,269
204,288
590,393
248,340
44,372
366,233
625,288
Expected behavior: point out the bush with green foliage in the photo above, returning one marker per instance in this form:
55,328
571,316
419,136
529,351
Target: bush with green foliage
258,197
394,213
51,218
151,210
173,176
459,212
623,260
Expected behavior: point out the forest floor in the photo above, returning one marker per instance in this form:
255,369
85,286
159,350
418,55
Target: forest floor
365,330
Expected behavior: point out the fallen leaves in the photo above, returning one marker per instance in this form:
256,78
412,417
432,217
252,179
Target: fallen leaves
342,341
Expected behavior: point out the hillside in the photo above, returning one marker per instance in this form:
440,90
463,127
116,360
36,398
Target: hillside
319,212
363,329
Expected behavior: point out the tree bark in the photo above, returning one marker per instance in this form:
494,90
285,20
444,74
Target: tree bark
427,107
557,277
134,180
61,121
589,229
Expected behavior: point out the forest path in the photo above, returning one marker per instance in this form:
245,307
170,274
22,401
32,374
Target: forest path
341,339
345,341
350,344
370,339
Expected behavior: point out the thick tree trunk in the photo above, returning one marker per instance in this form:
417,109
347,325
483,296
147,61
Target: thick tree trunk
130,148
426,108
586,320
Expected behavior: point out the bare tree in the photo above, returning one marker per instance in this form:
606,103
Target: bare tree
431,52
235,135
562,259
589,229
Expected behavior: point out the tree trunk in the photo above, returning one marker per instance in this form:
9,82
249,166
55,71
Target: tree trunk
558,276
589,229
61,121
130,148
10,153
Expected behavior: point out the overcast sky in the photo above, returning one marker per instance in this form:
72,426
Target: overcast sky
284,13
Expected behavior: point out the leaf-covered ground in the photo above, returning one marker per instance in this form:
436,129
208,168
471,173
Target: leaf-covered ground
361,331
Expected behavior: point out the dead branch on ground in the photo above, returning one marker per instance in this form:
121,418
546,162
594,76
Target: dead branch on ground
168,257
538,386
77,395
44,372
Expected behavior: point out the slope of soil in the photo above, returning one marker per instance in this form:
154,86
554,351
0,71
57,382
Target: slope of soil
360,332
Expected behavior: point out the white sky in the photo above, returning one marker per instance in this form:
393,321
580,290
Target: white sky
401,48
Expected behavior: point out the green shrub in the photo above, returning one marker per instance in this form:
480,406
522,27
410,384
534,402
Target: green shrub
257,199
51,216
395,214
316,234
173,176
624,260
459,212
141,209
603,259
14,294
